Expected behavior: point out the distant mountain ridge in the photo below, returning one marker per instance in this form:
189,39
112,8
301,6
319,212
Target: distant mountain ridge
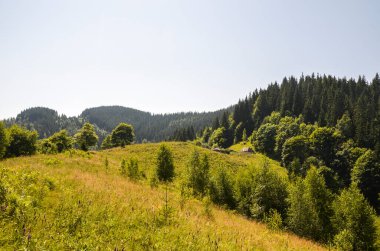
151,127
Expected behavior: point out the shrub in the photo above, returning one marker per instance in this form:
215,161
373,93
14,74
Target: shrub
45,146
21,142
62,140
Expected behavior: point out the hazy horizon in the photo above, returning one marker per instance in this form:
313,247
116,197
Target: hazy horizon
174,56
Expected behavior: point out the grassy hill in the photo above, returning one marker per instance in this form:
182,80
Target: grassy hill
74,201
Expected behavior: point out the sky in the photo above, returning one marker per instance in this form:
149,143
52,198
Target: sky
170,56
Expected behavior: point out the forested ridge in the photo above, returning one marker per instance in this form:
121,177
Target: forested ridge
148,127
319,99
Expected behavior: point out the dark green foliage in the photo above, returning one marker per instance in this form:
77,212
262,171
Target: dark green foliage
345,159
183,134
354,221
62,140
366,174
331,178
122,135
86,137
44,120
287,127
165,166
153,127
21,142
221,188
295,148
324,141
310,207
258,190
264,141
346,126
198,173
3,140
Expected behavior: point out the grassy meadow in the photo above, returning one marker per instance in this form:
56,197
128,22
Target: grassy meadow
75,201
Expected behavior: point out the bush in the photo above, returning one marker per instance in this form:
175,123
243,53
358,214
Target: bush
62,140
45,146
21,142
274,220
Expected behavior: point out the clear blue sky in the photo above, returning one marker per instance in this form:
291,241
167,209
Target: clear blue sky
169,56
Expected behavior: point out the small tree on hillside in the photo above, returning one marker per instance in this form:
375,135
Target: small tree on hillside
309,211
198,173
86,137
122,135
353,221
165,166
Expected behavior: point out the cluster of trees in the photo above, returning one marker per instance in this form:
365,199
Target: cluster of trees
183,134
151,127
302,204
122,135
319,99
18,141
299,146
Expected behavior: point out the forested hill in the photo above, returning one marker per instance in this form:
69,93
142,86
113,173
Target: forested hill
152,127
318,99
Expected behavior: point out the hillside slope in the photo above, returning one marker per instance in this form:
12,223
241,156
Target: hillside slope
75,201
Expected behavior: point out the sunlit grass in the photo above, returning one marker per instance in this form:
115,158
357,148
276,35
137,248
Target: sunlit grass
94,207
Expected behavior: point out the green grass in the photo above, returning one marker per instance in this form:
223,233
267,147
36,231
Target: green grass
71,201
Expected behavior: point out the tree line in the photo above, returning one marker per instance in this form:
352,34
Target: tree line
18,141
148,127
319,99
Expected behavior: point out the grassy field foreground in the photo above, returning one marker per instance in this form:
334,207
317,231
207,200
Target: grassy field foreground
73,201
